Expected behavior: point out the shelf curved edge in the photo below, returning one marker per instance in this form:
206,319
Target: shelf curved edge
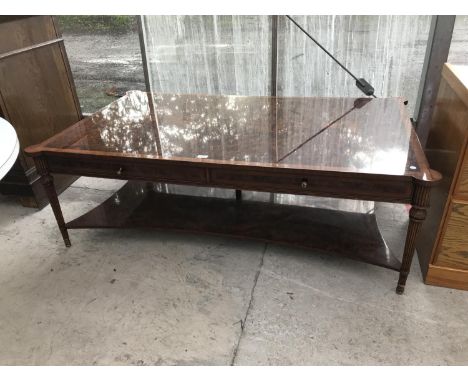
347,234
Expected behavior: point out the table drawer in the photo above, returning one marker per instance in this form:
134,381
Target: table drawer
461,188
116,169
453,248
273,180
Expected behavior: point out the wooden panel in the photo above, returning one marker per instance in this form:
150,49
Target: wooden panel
449,124
120,169
30,84
447,277
24,32
461,188
457,77
444,150
307,183
453,248
37,95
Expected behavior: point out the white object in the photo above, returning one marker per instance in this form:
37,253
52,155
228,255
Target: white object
9,147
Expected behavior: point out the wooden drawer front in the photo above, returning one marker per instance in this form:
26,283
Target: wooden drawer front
260,181
453,248
129,170
315,184
461,189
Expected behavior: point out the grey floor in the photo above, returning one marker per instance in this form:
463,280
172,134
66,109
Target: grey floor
136,297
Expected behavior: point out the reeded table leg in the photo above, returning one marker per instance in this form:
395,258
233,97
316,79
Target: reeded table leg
417,215
47,181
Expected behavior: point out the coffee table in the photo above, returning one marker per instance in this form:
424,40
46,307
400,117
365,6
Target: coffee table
351,148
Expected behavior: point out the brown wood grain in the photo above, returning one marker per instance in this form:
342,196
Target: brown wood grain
23,32
30,83
312,133
375,187
453,248
461,187
457,77
37,96
447,277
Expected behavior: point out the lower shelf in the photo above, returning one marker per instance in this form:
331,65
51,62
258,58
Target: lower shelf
349,234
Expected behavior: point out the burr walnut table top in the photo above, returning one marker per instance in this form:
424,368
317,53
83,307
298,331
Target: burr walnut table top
345,135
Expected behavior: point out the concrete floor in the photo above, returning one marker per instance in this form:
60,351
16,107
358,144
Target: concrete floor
137,297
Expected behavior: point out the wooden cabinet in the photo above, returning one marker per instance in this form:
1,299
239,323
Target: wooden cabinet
443,243
461,188
453,248
37,96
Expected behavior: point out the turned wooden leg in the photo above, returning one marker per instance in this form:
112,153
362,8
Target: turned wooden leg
47,181
238,195
416,218
417,215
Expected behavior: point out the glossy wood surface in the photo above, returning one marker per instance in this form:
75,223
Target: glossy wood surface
349,234
365,136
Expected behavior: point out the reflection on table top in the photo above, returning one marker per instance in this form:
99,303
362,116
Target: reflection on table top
360,135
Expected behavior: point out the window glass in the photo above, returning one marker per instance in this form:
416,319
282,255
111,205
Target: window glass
209,54
105,57
458,53
232,54
387,51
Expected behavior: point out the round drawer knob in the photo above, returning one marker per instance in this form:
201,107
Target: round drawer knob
120,171
304,184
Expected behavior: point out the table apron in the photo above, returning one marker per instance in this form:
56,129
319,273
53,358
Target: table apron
287,181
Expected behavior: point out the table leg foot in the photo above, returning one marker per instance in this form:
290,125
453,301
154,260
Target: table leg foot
67,242
400,288
238,195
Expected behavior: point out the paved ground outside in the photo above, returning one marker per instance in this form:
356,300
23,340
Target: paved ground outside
104,63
